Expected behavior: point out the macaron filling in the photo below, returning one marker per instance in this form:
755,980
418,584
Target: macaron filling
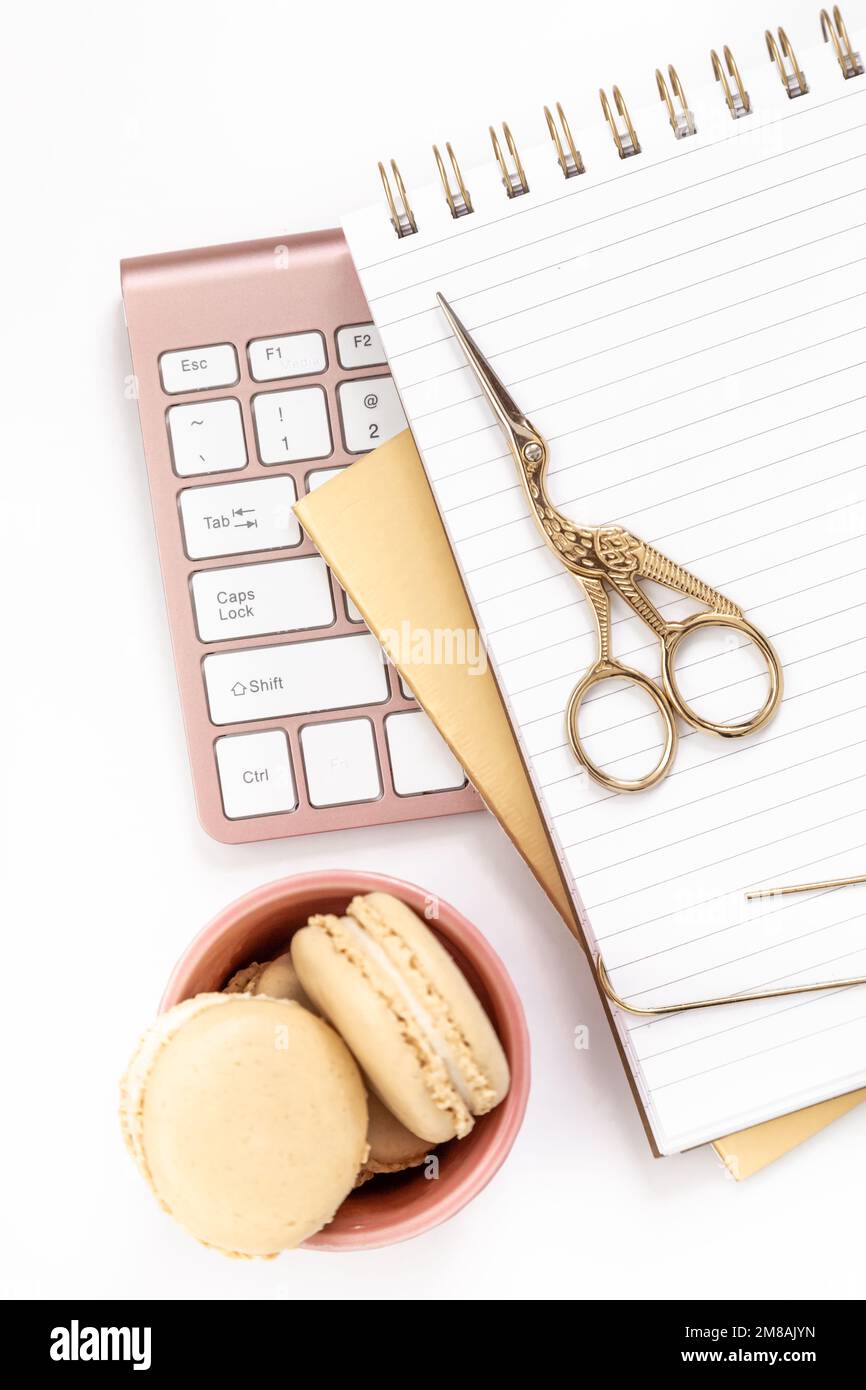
352,941
419,1013
454,1081
475,1086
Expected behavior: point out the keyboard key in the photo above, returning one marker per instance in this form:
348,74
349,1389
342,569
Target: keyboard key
295,678
233,518
421,760
360,345
207,437
353,613
249,600
320,476
199,369
371,412
294,354
292,425
340,762
255,773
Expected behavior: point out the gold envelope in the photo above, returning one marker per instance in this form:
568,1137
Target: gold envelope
378,527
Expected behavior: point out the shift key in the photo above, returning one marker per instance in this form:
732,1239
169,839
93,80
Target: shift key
294,678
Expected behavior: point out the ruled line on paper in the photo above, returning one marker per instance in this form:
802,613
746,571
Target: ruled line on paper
663,434
551,578
730,858
640,304
674,497
789,1042
692,665
692,458
496,357
759,1019
666,607
739,820
419,415
688,733
536,408
748,955
624,274
735,340
735,888
658,877
773,982
670,535
691,734
769,739
647,1057
695,801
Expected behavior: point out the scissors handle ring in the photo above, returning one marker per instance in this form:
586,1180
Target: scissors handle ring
606,670
671,640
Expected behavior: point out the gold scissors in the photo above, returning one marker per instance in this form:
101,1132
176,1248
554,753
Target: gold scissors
610,557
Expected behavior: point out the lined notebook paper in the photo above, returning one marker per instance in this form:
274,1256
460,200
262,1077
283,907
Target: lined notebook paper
687,328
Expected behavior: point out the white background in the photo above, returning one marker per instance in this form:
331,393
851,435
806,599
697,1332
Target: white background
135,128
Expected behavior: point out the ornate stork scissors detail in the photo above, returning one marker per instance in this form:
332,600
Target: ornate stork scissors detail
611,558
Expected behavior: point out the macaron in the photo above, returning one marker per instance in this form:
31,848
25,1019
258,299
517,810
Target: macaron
277,977
247,1116
392,1146
409,1015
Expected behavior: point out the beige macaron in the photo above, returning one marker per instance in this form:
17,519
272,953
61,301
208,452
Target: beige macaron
392,1147
277,978
407,1012
248,1118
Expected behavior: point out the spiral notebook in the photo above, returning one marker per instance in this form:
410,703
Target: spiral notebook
676,296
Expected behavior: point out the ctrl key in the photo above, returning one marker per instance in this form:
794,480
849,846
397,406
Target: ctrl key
255,773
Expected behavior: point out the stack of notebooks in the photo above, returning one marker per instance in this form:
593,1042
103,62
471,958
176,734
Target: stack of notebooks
680,307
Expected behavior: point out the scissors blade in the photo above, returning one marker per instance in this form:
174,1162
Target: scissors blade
512,420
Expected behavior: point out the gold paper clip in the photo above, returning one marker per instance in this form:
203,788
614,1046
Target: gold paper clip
514,179
626,141
834,32
805,887
458,199
738,101
402,218
568,155
793,77
682,121
692,1004
607,987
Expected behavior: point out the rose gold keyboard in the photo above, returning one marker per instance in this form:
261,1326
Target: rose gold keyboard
259,375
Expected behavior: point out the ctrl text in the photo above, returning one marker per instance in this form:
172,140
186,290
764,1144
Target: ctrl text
253,775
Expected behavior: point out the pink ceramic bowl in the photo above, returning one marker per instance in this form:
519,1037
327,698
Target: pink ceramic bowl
388,1209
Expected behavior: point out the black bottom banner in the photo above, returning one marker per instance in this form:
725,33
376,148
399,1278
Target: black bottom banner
637,1338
